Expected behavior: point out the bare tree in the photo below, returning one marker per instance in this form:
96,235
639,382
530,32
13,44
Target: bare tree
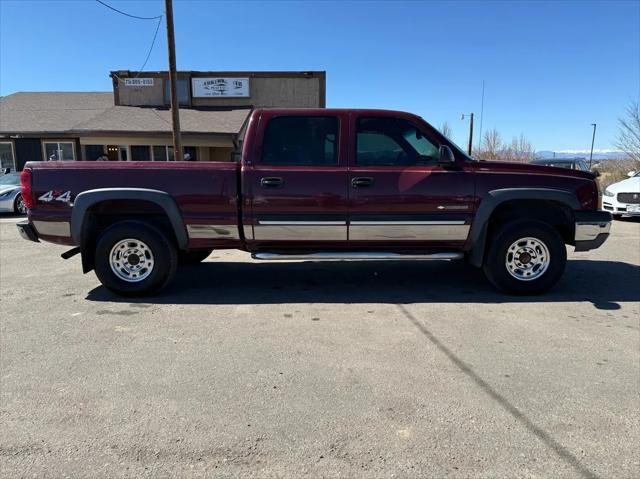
445,129
491,146
629,136
519,150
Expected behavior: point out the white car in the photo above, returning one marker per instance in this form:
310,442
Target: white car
10,197
623,197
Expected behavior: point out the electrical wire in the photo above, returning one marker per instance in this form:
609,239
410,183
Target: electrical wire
155,35
127,14
153,42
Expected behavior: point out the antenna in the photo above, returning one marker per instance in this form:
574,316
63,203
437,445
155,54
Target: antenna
481,115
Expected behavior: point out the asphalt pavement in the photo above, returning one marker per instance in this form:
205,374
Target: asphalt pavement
334,369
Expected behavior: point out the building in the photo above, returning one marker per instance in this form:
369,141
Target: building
133,122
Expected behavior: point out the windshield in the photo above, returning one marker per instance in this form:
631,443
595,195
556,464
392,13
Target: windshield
12,179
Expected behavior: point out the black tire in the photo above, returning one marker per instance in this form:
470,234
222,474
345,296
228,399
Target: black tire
495,267
193,257
163,253
18,205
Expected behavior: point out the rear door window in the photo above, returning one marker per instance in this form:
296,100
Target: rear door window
301,141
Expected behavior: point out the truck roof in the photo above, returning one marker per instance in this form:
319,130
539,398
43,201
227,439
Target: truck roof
337,111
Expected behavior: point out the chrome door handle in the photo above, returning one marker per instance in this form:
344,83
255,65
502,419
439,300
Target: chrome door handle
362,182
271,182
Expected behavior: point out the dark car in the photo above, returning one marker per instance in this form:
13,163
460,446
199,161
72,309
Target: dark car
571,164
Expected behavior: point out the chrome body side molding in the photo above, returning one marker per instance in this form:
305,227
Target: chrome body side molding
426,231
53,228
213,231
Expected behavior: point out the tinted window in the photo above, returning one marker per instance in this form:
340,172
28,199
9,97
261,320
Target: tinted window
140,153
393,142
582,165
93,152
301,140
162,153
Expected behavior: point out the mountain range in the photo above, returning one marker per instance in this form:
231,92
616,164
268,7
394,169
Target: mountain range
597,154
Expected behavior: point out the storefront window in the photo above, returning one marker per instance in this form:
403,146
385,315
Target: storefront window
140,153
190,153
7,159
58,151
162,153
93,152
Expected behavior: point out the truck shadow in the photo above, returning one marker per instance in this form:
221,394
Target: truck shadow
603,283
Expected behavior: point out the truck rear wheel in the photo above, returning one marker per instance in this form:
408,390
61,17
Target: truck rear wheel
525,257
133,258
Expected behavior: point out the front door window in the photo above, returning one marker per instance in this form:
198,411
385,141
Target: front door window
393,142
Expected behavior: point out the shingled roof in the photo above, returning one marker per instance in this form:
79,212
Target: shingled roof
132,119
94,112
50,112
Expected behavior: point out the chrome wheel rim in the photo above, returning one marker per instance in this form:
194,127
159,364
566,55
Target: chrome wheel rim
527,259
131,260
20,206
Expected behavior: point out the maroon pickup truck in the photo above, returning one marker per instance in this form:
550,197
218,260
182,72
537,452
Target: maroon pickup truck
318,184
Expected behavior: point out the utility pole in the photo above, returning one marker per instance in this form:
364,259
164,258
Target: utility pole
470,132
593,139
173,83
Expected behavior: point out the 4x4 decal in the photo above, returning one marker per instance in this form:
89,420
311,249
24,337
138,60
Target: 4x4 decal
56,195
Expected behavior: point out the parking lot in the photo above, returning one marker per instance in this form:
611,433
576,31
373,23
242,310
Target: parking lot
334,369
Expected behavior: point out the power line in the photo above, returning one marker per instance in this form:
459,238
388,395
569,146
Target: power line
155,35
127,14
153,42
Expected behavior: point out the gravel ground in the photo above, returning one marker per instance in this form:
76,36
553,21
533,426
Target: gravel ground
338,369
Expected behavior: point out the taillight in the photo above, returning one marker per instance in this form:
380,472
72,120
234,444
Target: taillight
25,185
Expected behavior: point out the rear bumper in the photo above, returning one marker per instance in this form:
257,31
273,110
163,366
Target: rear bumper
27,231
591,229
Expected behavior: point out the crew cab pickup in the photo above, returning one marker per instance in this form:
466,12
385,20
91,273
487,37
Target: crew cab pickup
318,184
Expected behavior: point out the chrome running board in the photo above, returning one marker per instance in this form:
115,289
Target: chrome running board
354,256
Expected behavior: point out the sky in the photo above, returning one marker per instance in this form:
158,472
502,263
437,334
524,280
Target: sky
551,69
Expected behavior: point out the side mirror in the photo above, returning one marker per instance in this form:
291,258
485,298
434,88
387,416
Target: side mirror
631,174
597,173
446,156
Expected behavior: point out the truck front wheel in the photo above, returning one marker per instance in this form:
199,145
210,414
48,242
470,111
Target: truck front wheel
525,257
134,258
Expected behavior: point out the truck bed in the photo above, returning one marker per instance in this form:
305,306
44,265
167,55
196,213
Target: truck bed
205,193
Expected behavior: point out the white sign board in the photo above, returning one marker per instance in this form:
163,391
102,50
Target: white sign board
223,86
138,82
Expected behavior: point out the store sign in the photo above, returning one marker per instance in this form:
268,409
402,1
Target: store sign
226,87
138,82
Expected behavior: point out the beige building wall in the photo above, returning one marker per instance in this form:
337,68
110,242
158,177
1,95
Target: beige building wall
273,92
206,141
141,95
220,154
266,89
